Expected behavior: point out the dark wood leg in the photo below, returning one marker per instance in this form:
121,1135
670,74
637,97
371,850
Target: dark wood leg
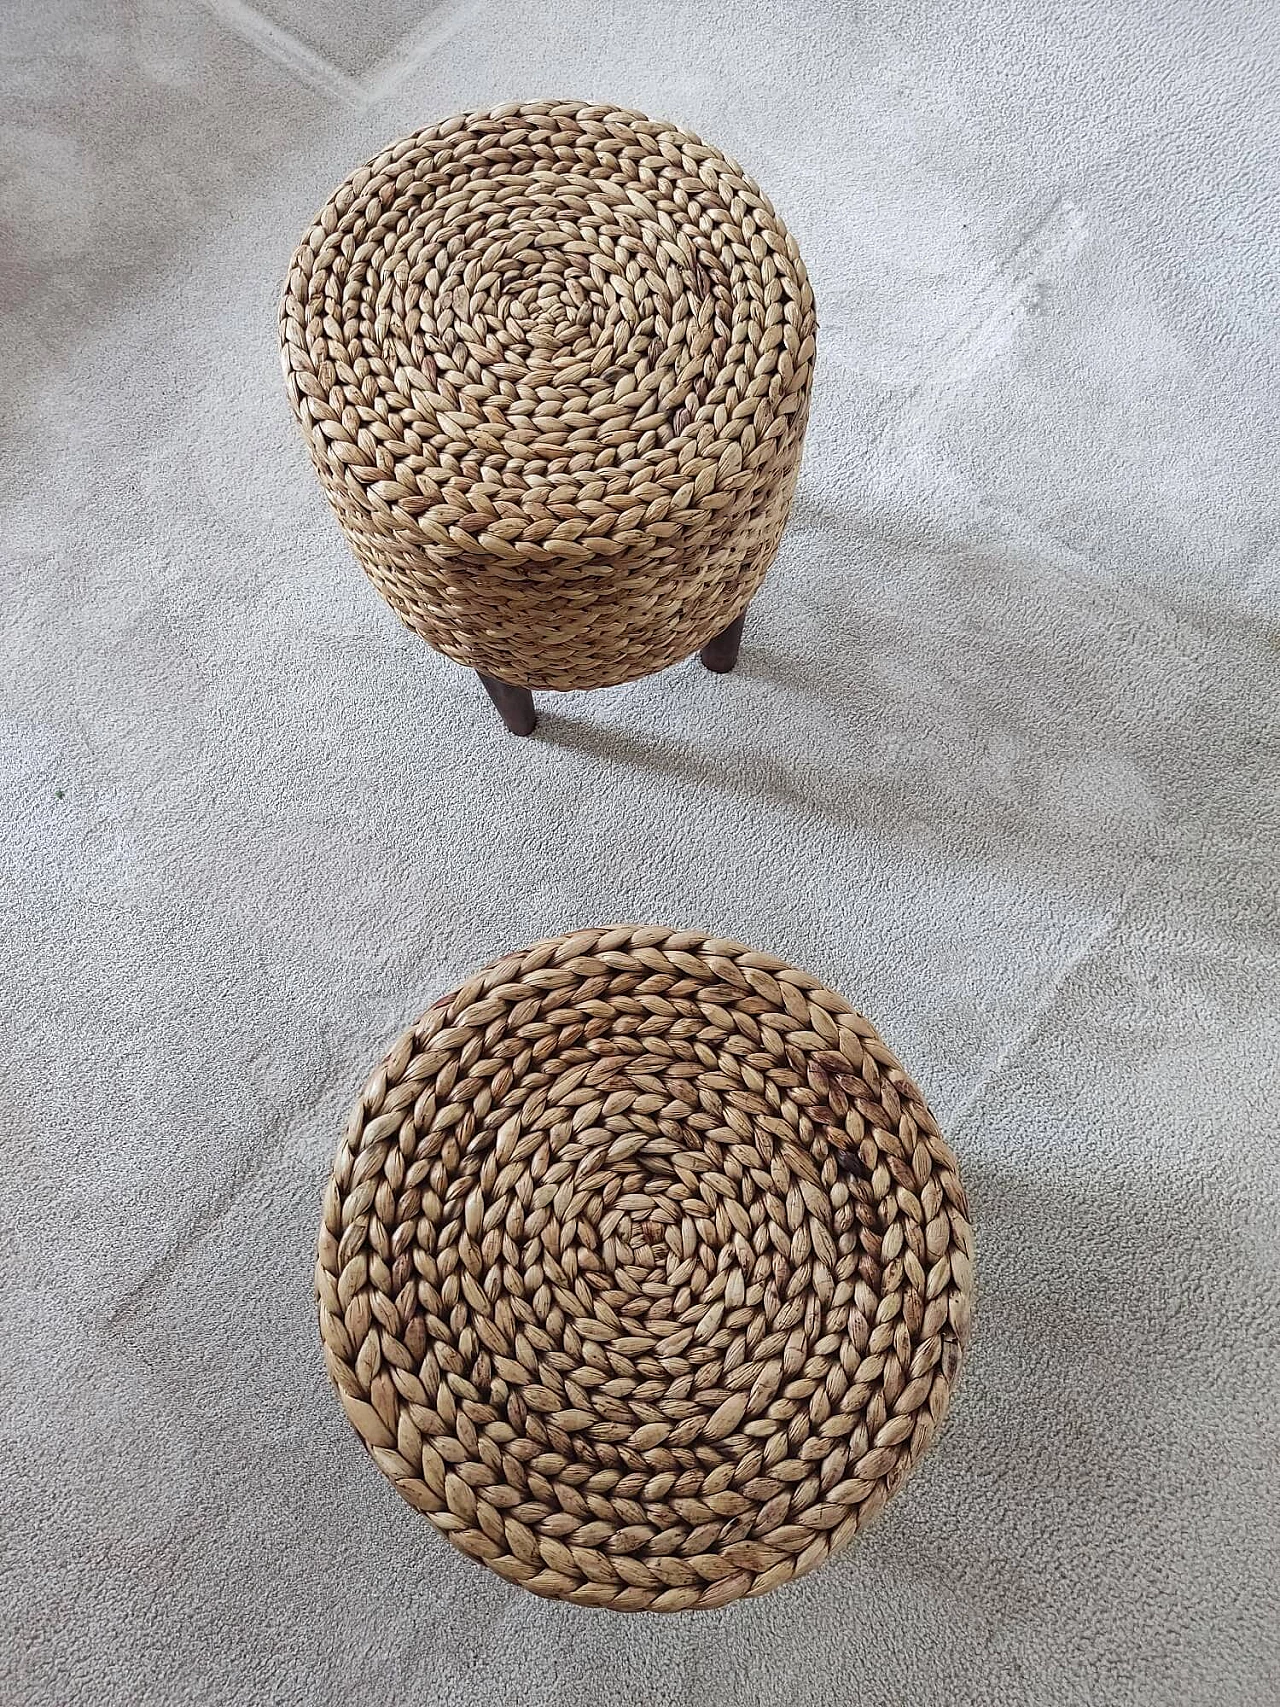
721,654
515,705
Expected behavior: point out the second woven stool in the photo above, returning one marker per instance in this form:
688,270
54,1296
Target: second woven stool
552,363
644,1271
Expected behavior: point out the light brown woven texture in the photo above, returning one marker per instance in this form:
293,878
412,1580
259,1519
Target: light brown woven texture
552,363
644,1271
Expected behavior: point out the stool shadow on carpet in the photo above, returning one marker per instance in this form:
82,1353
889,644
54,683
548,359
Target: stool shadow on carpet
1103,1430
977,703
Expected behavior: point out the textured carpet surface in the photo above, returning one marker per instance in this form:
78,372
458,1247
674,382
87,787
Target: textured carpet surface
1000,762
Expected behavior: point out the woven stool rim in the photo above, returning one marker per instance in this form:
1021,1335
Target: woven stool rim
644,1271
552,361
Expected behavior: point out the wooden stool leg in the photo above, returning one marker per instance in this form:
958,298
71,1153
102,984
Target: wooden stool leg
515,705
721,654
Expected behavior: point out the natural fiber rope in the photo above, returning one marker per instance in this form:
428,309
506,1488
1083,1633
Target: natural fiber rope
552,363
644,1271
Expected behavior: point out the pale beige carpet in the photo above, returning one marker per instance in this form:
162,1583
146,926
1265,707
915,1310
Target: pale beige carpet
1000,762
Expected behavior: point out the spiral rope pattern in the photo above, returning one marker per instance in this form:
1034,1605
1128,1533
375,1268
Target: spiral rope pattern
644,1272
552,363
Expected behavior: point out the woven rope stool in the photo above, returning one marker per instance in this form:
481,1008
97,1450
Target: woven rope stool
644,1272
552,364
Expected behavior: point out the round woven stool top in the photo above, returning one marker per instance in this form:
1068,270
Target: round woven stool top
552,362
644,1272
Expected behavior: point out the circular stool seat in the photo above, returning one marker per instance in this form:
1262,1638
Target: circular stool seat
644,1272
552,363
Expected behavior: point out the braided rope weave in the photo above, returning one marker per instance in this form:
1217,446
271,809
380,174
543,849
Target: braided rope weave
552,363
644,1272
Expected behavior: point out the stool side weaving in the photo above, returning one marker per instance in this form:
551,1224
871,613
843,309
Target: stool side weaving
552,364
644,1272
